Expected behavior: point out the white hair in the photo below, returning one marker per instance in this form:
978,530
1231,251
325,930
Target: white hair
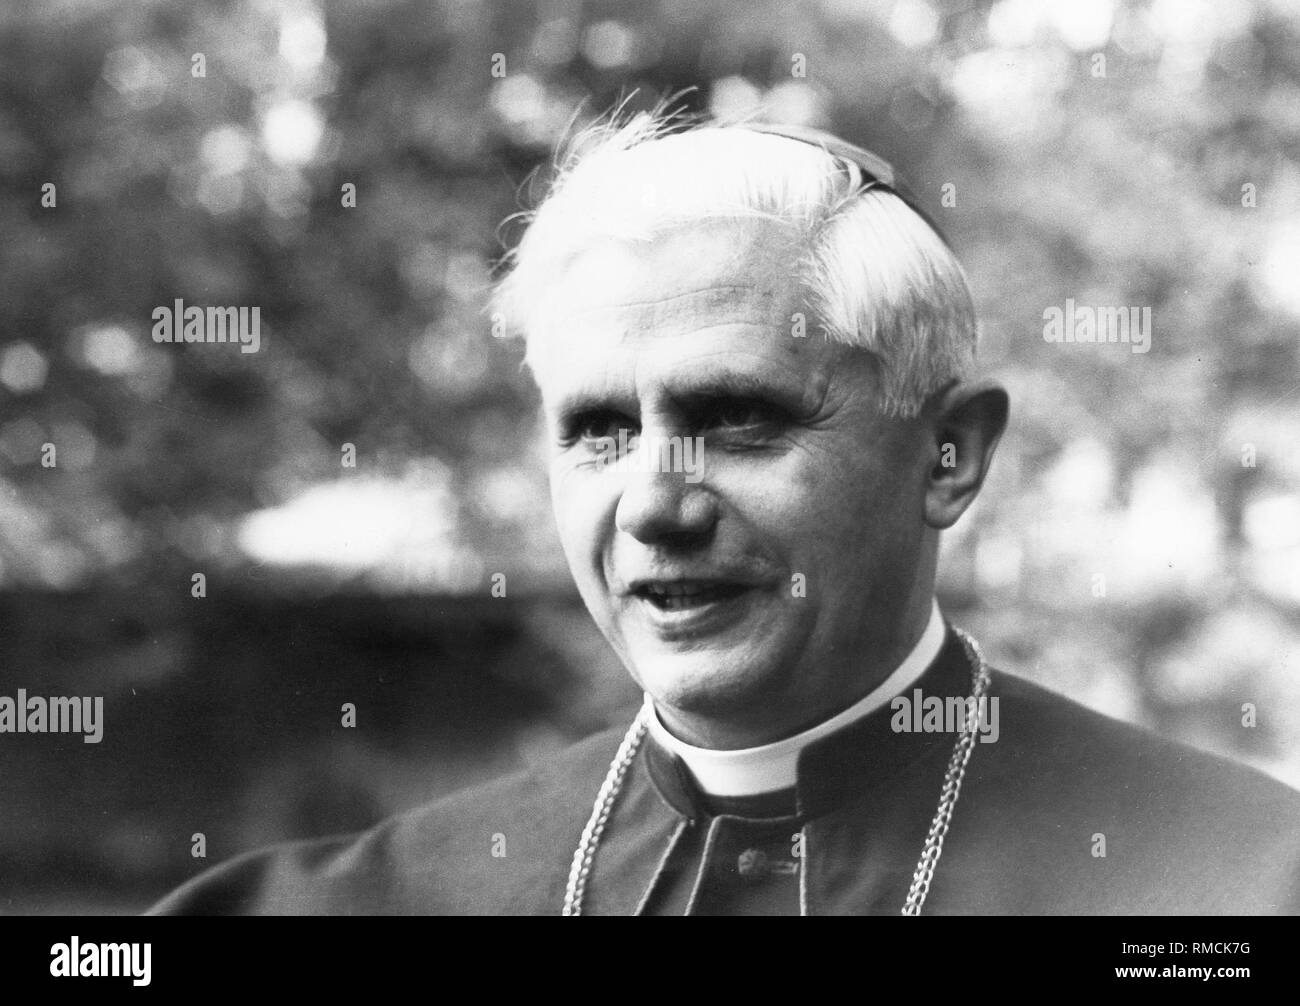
876,274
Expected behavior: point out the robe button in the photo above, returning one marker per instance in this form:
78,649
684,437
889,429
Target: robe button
752,864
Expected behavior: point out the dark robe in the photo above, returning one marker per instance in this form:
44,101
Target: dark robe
1182,831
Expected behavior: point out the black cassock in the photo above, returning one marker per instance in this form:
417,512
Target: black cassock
1066,812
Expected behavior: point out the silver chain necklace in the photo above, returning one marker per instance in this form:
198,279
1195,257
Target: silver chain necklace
584,855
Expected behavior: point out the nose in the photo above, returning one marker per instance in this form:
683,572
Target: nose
662,507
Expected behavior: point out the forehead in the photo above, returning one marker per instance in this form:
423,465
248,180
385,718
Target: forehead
700,300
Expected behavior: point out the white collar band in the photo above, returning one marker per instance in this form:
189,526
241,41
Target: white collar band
771,767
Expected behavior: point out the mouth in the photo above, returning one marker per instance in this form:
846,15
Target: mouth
686,595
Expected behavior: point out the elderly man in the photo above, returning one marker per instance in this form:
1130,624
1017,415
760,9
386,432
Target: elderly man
815,738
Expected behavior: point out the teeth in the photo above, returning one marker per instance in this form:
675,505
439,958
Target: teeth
677,596
676,589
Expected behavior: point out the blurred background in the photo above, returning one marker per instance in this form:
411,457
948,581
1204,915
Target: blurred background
1137,546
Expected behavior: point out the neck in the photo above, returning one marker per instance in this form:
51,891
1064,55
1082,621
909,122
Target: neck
769,767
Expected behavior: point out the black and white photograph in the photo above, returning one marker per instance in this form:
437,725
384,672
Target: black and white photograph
583,457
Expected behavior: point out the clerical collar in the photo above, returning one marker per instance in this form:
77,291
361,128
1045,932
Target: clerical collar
772,767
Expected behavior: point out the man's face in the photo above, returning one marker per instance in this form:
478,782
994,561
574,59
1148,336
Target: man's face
761,594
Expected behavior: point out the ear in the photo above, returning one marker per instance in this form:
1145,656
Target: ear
967,422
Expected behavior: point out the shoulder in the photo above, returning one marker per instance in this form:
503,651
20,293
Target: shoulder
1123,820
1101,753
499,848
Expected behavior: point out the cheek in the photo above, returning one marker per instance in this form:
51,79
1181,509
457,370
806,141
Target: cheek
584,515
831,508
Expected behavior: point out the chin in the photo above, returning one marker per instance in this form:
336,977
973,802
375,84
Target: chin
708,684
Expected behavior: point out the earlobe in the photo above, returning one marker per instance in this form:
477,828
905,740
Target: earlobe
968,423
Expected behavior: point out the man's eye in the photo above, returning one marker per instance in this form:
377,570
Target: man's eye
741,414
599,425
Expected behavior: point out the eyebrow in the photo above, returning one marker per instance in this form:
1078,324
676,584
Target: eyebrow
694,391
735,385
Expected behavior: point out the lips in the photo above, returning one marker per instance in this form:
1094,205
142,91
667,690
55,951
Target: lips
683,595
